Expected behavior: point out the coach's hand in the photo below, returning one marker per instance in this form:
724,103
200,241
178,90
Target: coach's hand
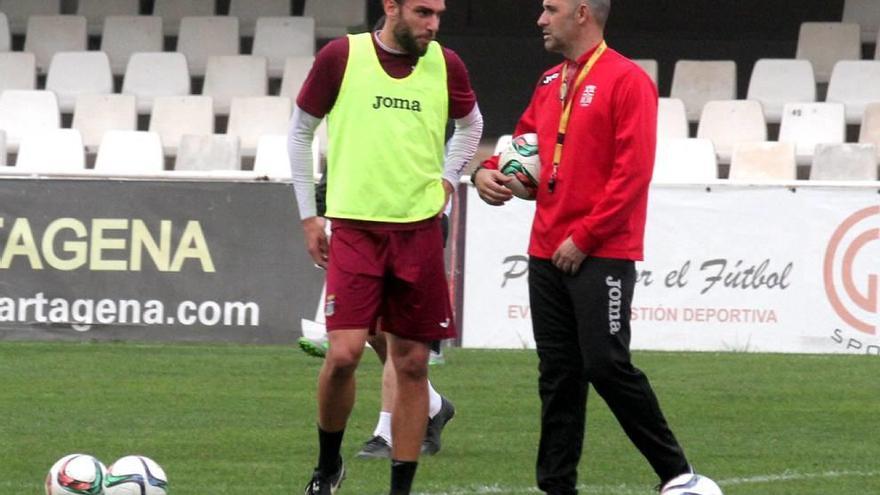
491,186
316,240
568,257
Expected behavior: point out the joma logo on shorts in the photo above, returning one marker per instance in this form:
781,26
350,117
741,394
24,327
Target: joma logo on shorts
397,104
614,304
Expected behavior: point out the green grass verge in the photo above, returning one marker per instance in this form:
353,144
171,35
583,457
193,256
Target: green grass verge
239,420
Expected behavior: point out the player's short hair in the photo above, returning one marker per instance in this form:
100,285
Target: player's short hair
600,9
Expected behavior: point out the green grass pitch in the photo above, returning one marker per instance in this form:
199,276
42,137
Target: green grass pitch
239,420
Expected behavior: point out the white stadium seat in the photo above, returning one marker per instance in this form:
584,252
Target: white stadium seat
202,37
253,117
94,115
130,153
296,69
844,162
272,159
18,70
249,12
208,152
775,82
865,13
96,10
335,18
48,35
279,38
869,133
172,11
229,76
51,151
5,35
127,35
18,11
149,75
696,82
761,161
727,123
826,43
650,67
2,148
685,161
175,116
671,119
807,124
75,73
855,83
25,111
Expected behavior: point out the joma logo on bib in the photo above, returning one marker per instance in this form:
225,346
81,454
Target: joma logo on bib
397,104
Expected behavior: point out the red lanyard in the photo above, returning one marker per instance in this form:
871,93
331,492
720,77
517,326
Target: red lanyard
566,109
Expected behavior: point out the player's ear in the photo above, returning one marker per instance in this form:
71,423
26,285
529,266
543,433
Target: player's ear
392,7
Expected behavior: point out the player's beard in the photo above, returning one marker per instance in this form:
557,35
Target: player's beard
404,37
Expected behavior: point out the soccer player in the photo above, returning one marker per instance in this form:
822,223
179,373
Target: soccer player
595,116
388,96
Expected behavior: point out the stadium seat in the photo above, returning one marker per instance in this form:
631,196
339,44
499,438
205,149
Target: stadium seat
727,123
202,37
18,70
865,13
48,35
671,119
5,35
175,116
149,75
696,82
855,83
252,117
2,148
685,161
775,82
96,10
869,133
826,43
844,162
502,143
249,12
278,38
229,76
76,73
18,12
272,158
51,151
807,124
759,161
130,153
172,11
335,18
25,111
126,35
208,152
650,67
296,69
94,115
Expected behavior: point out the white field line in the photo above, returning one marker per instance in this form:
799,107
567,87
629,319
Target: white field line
629,489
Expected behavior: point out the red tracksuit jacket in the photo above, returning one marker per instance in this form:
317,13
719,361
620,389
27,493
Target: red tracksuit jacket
601,192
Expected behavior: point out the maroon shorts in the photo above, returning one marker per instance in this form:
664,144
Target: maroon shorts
392,272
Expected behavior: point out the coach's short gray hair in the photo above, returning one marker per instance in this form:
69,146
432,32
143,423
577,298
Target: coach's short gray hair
600,10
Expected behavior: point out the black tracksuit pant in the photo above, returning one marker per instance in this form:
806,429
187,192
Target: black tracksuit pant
582,332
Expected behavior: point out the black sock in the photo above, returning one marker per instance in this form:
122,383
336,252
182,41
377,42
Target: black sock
329,444
402,474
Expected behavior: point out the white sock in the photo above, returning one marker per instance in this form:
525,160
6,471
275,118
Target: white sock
383,426
434,401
